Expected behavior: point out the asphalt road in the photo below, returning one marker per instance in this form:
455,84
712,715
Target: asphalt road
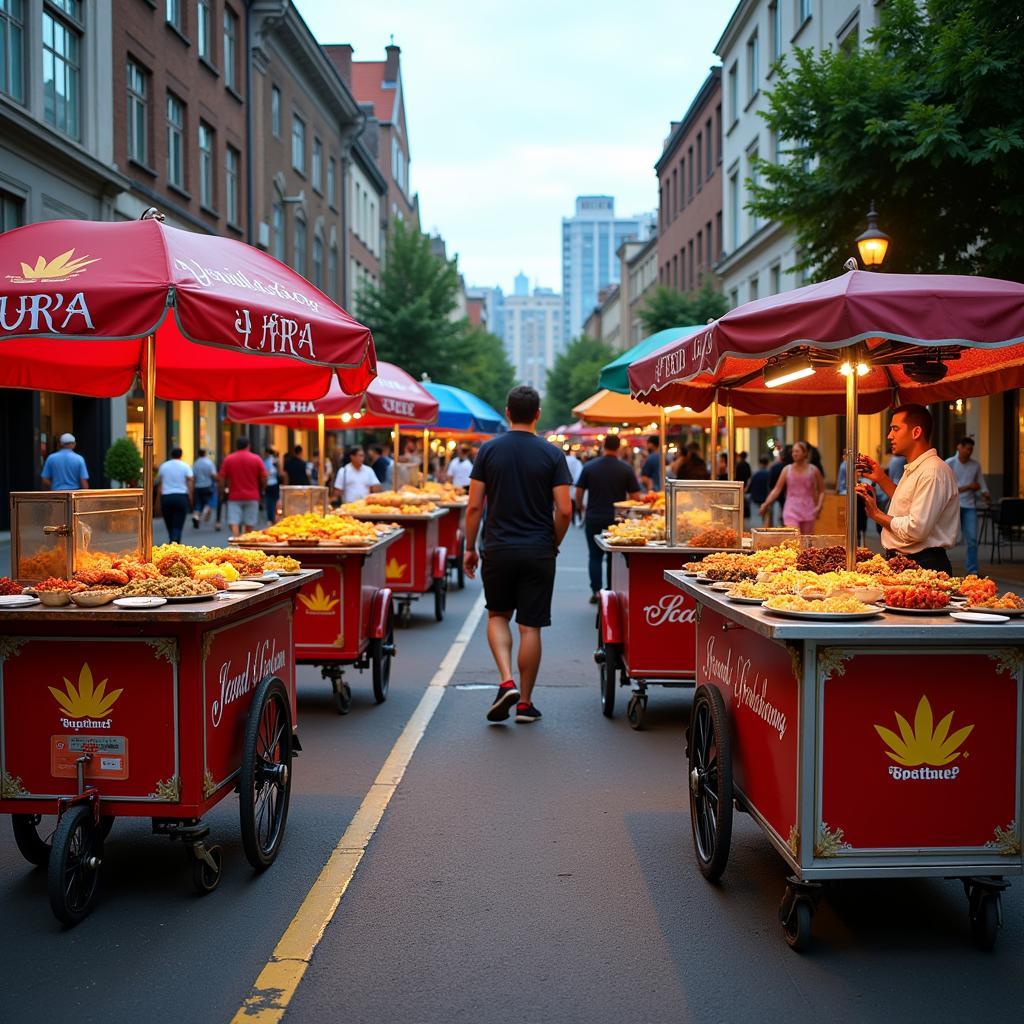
520,874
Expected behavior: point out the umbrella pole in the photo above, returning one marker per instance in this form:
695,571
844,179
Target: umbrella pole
851,468
664,449
730,442
426,454
321,441
714,436
148,429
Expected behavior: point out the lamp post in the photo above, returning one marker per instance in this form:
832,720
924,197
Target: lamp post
873,243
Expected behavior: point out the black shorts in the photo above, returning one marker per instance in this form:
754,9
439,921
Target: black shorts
520,582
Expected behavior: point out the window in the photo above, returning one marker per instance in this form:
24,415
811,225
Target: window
332,272
734,298
675,193
775,25
803,9
754,175
318,262
12,49
755,288
299,144
332,186
689,175
175,14
206,166
175,141
138,118
277,228
204,29
734,105
718,133
775,276
689,263
12,211
299,263
734,209
318,165
711,251
753,66
230,48
700,160
718,233
232,166
849,36
708,141
700,249
275,111
62,69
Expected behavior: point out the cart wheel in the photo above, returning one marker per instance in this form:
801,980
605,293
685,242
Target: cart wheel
73,873
206,877
636,710
609,674
797,929
984,909
342,696
710,764
440,589
460,567
266,781
35,848
381,652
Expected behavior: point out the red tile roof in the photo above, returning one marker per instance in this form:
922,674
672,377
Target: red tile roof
367,87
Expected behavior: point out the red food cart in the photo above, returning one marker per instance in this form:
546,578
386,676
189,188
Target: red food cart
451,535
417,564
160,714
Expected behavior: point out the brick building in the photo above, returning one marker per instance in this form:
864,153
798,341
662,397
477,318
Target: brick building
690,191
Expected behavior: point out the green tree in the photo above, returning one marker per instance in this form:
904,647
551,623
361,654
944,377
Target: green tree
573,378
928,120
410,310
477,362
123,462
667,307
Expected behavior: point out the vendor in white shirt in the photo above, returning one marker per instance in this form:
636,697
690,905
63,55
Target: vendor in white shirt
460,468
355,480
924,507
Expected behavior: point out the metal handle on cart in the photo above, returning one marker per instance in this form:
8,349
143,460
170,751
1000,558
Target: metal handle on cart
726,626
61,531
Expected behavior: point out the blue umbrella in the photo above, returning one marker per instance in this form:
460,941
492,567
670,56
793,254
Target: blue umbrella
460,410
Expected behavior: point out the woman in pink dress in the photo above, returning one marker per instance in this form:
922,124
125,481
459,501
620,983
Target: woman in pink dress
805,491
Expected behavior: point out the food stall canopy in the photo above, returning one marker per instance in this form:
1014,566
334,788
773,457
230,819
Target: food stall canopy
615,375
78,299
609,407
391,397
920,338
460,410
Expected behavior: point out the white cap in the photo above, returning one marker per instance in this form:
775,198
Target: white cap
67,439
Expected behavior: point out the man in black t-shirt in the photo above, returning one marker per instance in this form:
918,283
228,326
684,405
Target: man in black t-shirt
295,468
605,480
525,482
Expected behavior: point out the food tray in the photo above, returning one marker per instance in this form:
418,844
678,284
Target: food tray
919,611
824,616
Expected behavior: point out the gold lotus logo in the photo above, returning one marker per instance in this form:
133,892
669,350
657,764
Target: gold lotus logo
85,700
320,601
394,570
924,744
60,268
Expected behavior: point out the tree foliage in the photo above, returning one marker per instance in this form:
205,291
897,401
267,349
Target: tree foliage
123,462
478,363
928,120
573,378
667,307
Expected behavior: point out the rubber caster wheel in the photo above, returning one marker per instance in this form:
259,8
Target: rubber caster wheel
342,693
32,838
608,674
460,567
636,711
710,774
73,872
984,910
797,928
381,653
405,614
206,876
440,598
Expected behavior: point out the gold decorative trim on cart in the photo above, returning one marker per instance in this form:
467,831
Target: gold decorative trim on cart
796,658
207,645
169,791
1008,659
1006,841
166,648
794,841
209,786
832,662
11,787
830,842
339,640
10,646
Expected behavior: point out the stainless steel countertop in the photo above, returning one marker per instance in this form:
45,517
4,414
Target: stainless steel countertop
939,628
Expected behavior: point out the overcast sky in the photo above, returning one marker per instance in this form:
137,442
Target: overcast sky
516,108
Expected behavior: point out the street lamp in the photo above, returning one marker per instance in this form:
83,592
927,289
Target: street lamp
873,244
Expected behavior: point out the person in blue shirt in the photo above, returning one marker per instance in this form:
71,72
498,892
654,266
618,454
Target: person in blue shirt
650,473
65,470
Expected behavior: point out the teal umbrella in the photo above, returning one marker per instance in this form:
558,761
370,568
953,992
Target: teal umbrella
614,376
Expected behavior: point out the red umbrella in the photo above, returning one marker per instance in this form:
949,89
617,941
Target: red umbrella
923,338
85,307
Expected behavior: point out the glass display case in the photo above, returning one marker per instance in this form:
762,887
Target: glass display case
705,513
56,533
773,536
298,499
822,540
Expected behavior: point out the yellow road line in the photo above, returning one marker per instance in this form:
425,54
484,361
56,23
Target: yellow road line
277,982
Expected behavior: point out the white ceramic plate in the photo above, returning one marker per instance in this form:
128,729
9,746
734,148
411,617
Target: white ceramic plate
722,586
978,617
17,600
245,585
269,576
1012,613
825,616
745,600
139,602
916,611
187,598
